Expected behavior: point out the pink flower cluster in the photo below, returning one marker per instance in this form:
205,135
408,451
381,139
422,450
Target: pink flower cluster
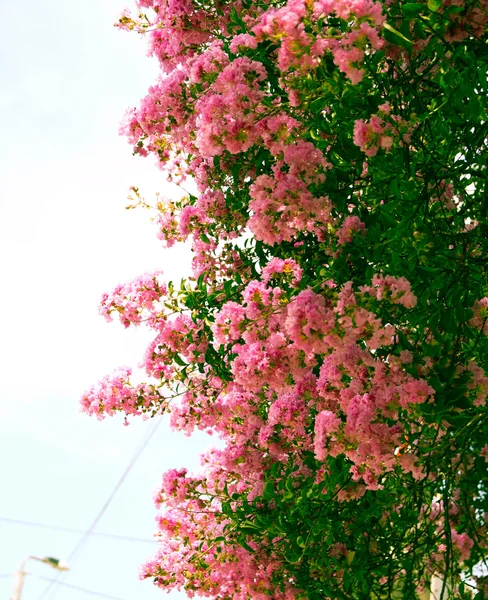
278,132
168,227
282,268
478,382
163,122
326,425
394,289
114,393
350,225
175,30
189,532
480,317
228,114
229,323
355,394
282,206
135,301
302,43
366,391
381,131
183,337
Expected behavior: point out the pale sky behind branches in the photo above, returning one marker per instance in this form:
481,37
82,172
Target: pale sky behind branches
67,77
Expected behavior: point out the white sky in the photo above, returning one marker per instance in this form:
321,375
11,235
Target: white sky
67,76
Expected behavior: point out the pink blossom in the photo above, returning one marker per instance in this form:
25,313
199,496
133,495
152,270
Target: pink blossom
462,542
345,232
394,289
278,131
380,132
282,206
115,393
243,40
480,317
229,323
228,111
285,267
305,161
309,321
326,424
136,300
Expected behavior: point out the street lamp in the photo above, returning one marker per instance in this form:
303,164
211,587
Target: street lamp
55,563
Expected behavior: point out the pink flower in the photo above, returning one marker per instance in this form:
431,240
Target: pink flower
462,542
286,267
394,289
326,424
282,206
350,225
243,40
229,323
309,321
480,317
115,393
136,300
380,132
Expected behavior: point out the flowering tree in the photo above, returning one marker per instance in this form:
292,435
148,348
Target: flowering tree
334,332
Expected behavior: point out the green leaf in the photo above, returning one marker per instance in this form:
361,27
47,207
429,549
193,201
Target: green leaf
248,530
404,340
394,36
448,321
434,5
412,8
179,361
460,313
245,545
250,526
269,490
318,105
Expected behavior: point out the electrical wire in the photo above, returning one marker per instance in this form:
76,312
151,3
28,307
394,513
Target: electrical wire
6,575
126,538
77,587
52,587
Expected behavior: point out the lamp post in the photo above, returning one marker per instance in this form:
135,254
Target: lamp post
54,563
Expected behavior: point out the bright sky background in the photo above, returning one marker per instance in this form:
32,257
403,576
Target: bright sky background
67,76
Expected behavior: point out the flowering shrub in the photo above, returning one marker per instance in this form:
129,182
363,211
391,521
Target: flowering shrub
334,332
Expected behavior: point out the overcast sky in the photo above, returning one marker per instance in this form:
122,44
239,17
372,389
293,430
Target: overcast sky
67,76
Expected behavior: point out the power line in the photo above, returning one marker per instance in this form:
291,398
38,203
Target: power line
79,546
102,511
126,538
77,587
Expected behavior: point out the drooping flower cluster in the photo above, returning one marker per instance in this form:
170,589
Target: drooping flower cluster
115,393
135,301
